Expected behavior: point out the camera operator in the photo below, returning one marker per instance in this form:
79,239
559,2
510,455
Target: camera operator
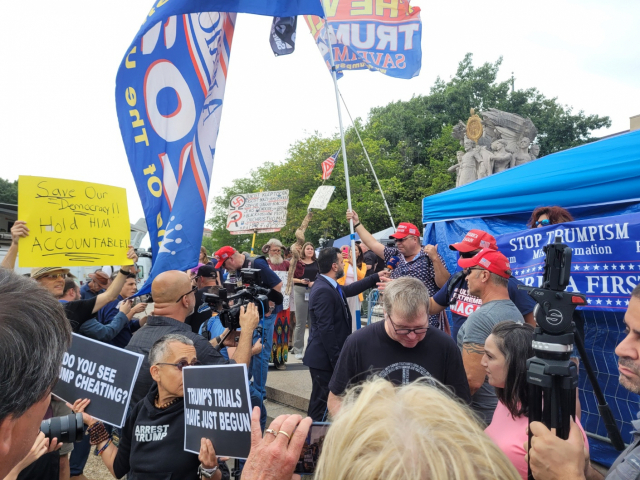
231,259
34,334
174,298
555,459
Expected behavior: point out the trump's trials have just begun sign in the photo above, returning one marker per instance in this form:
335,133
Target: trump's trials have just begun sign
606,257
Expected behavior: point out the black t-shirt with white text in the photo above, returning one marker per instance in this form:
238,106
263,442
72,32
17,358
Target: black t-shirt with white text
371,350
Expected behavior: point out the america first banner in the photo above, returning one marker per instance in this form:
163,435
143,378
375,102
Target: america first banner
606,257
379,35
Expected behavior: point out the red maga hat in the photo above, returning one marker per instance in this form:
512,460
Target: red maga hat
223,254
488,259
475,240
405,229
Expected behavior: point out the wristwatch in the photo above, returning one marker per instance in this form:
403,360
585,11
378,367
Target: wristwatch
206,472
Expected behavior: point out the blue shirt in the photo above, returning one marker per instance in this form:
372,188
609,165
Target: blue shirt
92,328
86,293
108,314
331,281
215,328
269,279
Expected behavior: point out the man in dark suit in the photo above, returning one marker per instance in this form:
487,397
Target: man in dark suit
330,321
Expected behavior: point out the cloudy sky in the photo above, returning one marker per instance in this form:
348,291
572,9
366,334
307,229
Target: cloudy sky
59,65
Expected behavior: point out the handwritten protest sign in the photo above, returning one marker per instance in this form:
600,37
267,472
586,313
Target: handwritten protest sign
72,223
262,211
102,373
321,198
221,413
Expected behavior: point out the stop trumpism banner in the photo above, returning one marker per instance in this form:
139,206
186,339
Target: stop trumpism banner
606,257
72,223
217,406
102,373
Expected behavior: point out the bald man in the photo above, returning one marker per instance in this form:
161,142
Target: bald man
174,297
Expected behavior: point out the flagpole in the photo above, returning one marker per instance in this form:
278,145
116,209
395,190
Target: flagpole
344,152
369,160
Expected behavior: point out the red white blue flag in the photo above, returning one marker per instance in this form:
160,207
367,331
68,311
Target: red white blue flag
328,164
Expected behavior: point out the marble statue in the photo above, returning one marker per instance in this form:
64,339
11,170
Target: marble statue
500,157
506,142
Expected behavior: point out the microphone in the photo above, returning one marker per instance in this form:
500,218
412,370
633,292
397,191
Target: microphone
392,263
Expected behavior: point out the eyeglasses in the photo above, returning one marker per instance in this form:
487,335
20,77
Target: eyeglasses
467,271
400,240
469,254
193,289
181,364
407,331
275,250
55,275
544,222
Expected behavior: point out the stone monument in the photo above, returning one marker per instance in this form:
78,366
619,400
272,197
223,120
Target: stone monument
498,141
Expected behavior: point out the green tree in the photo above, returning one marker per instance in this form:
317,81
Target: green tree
410,146
8,191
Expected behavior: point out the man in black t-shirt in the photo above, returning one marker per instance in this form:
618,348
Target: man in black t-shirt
402,348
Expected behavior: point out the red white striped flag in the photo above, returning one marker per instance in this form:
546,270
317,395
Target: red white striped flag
328,164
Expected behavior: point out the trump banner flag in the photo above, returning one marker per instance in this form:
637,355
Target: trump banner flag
169,98
380,35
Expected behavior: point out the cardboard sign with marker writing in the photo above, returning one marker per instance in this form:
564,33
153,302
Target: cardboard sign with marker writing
217,406
72,223
322,196
262,211
102,373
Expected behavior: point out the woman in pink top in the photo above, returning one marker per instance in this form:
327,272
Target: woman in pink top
506,352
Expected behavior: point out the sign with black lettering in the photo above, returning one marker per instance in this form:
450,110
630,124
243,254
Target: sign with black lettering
606,257
102,373
217,406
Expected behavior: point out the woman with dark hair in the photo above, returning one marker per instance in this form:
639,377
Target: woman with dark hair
543,216
505,360
301,288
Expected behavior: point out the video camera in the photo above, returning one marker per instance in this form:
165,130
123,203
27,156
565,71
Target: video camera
250,292
551,375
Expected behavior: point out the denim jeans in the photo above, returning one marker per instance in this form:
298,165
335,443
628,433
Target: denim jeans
79,455
260,362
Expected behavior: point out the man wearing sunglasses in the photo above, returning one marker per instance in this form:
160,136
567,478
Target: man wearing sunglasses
423,264
488,274
455,293
402,348
174,300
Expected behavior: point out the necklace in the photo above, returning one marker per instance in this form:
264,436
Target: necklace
164,405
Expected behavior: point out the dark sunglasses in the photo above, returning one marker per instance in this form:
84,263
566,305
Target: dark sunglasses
544,222
467,271
468,254
181,364
193,289
400,240
407,331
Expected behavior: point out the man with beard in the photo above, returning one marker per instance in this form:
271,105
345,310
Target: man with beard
553,458
280,348
330,321
175,300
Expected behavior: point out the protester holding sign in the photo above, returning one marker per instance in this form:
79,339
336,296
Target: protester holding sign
174,298
122,307
152,441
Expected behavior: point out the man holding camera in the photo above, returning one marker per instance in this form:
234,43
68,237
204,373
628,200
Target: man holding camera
231,259
174,298
555,459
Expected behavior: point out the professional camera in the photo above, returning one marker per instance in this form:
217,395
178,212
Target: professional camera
551,375
67,429
230,299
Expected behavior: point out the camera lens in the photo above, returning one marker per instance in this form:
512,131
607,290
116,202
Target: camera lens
67,429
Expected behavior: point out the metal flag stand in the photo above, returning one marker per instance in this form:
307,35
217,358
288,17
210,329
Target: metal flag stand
344,152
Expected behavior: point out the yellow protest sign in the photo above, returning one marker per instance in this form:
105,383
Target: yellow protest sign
72,223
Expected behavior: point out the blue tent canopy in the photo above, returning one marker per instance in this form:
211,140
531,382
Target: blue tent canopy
594,180
607,171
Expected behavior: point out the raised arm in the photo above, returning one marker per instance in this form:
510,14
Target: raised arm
374,245
18,230
116,285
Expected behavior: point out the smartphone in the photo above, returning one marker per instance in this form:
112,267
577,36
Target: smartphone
312,448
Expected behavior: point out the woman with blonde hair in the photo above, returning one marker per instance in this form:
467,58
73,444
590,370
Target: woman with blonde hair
349,278
417,431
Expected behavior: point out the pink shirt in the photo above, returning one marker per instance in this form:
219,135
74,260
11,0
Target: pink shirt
510,434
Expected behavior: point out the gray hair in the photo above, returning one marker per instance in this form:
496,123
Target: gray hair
34,335
159,349
274,242
499,281
407,295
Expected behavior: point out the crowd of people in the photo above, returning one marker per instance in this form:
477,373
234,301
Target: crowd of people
412,396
